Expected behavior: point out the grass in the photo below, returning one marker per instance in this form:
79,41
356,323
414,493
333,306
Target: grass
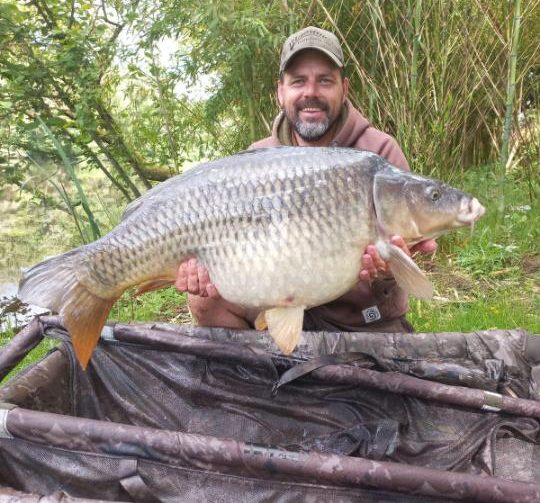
29,232
490,279
164,305
483,311
35,355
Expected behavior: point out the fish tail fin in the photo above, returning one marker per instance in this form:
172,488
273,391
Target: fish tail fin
54,284
84,316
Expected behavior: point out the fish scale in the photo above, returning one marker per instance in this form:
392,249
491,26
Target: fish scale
279,230
282,248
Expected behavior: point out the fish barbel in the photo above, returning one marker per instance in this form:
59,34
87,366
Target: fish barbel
280,230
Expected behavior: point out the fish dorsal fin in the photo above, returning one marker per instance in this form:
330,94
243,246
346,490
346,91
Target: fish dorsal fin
408,275
285,326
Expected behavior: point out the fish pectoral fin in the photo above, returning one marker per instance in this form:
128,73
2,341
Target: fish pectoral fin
260,321
408,275
285,326
153,284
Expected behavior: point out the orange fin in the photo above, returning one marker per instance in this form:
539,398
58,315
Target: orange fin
260,321
54,284
85,315
153,284
285,326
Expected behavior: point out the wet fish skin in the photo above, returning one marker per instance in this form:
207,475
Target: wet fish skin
269,220
279,229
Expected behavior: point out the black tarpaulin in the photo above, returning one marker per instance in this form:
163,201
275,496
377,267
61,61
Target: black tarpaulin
181,413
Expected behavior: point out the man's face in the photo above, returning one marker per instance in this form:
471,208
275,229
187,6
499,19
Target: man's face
311,93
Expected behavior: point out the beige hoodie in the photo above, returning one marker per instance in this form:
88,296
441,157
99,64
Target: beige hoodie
365,307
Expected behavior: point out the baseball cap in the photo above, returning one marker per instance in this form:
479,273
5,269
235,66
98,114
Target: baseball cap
311,38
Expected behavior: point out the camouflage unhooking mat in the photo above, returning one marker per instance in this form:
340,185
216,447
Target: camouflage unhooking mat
177,413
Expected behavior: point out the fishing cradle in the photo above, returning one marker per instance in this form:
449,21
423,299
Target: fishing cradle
168,413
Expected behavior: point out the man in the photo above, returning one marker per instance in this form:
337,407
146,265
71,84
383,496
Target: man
312,94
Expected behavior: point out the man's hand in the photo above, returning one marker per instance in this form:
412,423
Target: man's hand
193,278
373,263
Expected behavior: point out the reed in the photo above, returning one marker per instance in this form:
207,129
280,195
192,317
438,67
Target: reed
434,75
510,94
70,170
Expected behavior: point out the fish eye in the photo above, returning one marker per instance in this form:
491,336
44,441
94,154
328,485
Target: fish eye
435,194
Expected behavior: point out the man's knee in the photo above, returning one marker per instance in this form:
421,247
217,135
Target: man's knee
200,308
208,312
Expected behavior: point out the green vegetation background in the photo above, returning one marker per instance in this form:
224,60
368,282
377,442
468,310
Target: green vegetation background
100,102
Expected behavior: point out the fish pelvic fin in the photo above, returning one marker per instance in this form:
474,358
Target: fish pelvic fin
285,326
54,284
260,321
407,274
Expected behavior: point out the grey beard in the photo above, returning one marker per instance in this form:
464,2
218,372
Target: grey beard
311,131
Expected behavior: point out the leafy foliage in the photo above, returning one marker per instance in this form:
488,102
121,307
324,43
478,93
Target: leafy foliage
54,63
135,91
433,76
95,73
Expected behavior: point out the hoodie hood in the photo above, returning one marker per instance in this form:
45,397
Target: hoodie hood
354,124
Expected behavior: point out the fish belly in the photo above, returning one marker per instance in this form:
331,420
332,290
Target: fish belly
287,268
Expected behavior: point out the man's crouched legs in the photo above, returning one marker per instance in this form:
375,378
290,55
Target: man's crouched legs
211,312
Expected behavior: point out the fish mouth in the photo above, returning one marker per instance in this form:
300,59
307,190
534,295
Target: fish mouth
470,211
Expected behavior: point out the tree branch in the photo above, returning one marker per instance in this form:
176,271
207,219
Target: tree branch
71,14
45,13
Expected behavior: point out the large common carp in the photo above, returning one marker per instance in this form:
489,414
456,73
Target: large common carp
279,229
